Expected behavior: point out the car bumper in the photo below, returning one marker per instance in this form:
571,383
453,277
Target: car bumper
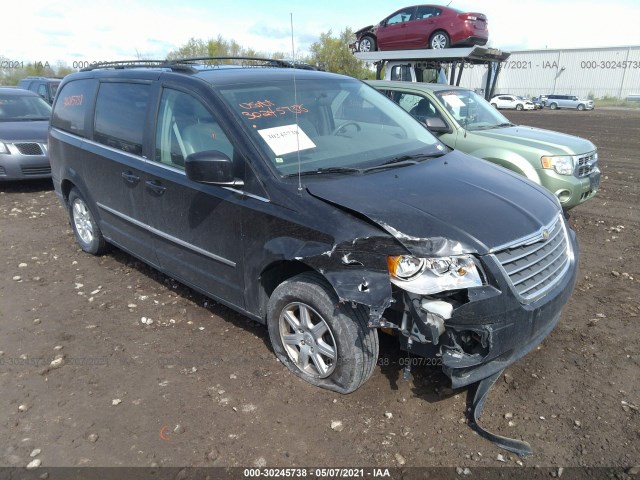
23,167
514,331
570,190
495,328
469,37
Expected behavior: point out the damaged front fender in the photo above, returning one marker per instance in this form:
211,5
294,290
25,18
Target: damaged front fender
356,269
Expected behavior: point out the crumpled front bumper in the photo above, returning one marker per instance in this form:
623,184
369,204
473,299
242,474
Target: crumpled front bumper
504,328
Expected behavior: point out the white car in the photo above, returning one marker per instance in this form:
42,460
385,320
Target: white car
512,101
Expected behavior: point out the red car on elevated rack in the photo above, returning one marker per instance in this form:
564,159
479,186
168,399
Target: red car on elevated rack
423,26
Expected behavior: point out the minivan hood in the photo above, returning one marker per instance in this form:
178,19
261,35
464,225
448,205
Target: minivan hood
35,131
456,202
547,141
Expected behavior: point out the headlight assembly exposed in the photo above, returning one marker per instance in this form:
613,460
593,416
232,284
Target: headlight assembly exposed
425,276
562,164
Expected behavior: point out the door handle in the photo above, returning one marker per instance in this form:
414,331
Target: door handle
155,187
130,178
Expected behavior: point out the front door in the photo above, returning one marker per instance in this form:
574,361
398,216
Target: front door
392,34
197,227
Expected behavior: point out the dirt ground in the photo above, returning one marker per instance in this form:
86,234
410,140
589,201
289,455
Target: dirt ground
155,374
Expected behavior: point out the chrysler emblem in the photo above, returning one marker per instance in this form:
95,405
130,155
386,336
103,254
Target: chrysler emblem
545,234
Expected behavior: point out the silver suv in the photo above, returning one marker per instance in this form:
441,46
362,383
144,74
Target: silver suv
567,101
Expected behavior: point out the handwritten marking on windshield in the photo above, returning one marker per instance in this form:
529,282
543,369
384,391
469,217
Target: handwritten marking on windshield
266,108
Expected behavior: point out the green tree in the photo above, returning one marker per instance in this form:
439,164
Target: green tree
332,54
193,48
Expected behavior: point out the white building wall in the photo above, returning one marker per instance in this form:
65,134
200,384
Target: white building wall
595,72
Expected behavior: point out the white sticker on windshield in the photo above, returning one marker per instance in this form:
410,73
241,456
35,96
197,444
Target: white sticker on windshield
453,100
286,139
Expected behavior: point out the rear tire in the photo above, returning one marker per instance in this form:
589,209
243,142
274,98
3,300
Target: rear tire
85,228
319,339
519,107
439,40
367,44
553,106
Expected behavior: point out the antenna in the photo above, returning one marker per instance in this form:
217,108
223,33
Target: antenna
295,101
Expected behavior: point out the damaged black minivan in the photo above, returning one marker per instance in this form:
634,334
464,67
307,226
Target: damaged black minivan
312,203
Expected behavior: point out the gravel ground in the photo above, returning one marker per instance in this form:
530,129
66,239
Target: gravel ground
105,362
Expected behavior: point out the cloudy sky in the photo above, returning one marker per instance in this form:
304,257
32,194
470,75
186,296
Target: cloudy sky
84,30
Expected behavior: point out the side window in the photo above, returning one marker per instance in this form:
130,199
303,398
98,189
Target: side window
42,90
401,72
121,111
401,17
420,107
184,126
70,111
425,11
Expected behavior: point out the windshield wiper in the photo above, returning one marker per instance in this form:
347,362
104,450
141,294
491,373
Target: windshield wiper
321,171
403,160
508,124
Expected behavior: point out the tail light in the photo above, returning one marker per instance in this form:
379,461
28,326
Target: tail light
471,17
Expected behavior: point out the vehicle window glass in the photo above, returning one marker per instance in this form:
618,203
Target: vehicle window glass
401,72
325,124
184,127
121,110
401,16
42,90
470,110
18,108
420,107
425,12
71,107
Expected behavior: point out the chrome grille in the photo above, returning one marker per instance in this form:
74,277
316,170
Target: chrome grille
586,164
536,264
29,148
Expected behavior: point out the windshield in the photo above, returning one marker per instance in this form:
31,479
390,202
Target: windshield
471,110
16,108
343,125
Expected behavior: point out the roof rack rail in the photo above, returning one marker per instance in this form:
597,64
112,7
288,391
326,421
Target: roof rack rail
189,64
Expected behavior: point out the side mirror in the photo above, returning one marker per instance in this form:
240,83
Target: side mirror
211,166
437,125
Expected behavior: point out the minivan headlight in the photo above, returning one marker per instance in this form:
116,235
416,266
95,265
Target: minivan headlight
432,275
562,164
3,148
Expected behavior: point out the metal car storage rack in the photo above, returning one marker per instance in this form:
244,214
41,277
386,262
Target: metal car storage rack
455,58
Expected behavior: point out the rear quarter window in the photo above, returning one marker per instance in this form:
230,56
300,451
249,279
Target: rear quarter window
70,111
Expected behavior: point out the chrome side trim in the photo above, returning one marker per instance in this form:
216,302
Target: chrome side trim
154,163
166,236
96,144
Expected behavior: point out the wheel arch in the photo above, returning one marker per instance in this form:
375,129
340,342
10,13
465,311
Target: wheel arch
273,275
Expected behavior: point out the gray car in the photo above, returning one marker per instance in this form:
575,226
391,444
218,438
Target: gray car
24,125
567,101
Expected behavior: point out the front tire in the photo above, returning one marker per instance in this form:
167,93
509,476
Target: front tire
439,40
85,228
581,107
519,107
494,106
367,44
318,338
